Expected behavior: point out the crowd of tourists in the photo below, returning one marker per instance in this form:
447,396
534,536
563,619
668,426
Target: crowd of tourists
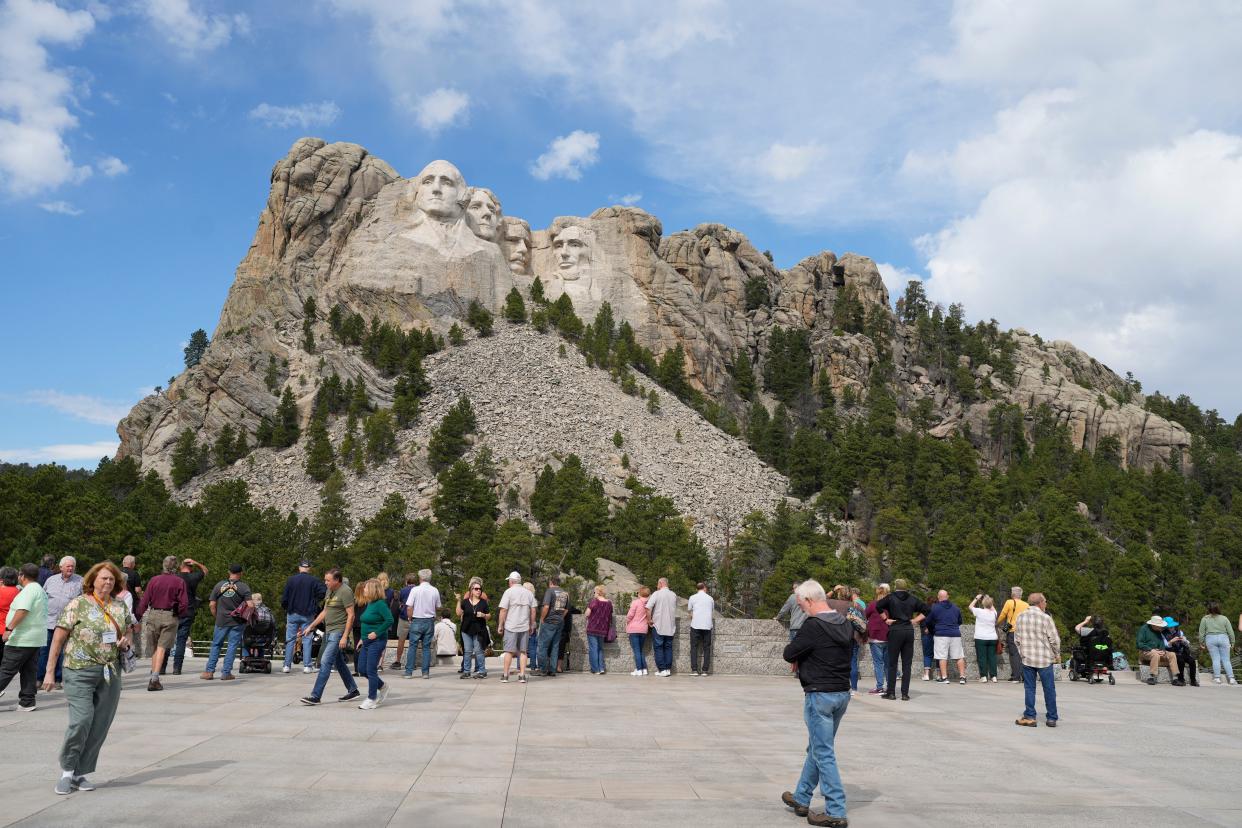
62,631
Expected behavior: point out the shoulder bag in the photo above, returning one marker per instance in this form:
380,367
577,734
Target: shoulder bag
126,660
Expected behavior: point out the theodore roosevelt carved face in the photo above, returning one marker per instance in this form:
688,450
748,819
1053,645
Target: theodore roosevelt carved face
517,245
572,253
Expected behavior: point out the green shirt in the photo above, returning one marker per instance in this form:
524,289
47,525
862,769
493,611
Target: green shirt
1208,625
32,632
88,626
335,606
376,618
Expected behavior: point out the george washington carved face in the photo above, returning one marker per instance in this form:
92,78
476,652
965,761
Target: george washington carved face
441,192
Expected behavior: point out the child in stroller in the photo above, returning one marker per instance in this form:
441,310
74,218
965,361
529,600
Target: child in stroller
1091,659
258,639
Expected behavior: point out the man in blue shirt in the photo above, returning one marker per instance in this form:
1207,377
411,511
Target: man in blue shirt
301,599
946,619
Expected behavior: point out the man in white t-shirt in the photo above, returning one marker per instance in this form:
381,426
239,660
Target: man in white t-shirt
701,606
446,637
517,622
421,606
662,615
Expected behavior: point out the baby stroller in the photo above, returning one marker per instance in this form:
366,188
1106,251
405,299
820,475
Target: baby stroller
257,643
1091,659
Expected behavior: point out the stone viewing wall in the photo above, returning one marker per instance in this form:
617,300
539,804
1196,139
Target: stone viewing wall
748,647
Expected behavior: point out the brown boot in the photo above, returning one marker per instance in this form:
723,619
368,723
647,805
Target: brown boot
154,684
800,810
207,676
825,819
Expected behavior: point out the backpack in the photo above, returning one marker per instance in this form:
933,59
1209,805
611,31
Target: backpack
394,605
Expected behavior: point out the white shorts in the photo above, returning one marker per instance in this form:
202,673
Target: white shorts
948,647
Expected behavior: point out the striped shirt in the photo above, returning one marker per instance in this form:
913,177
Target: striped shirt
1037,639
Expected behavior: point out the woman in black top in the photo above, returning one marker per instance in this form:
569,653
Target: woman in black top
474,612
902,611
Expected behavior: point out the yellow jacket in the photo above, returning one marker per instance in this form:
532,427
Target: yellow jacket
1012,609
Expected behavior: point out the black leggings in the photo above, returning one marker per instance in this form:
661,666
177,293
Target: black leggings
900,643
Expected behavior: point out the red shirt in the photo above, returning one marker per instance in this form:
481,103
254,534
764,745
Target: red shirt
7,594
165,591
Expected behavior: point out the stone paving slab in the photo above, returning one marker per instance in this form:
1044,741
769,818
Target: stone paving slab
618,750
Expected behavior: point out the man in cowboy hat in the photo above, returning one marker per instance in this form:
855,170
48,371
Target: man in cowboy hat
1153,648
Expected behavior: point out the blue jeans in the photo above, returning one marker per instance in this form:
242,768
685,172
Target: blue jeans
822,713
854,666
793,634
879,658
293,623
549,646
44,652
233,635
1218,647
637,641
662,650
1048,680
532,650
183,639
330,656
929,652
595,652
369,658
421,629
472,647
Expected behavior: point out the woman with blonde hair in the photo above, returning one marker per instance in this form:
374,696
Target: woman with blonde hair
636,628
376,621
474,612
985,636
599,624
93,632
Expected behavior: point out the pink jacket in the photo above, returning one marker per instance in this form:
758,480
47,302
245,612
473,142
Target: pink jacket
636,618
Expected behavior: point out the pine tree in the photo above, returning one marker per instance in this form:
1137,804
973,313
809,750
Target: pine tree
617,439
381,436
448,440
196,347
272,377
320,462
671,372
186,458
536,292
653,402
479,318
285,429
332,523
264,434
456,336
743,375
308,322
515,307
223,449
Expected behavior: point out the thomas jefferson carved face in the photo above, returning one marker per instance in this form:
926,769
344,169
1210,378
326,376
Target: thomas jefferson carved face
440,191
572,253
483,213
517,242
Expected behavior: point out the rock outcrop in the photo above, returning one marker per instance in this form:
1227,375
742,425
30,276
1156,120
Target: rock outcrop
342,227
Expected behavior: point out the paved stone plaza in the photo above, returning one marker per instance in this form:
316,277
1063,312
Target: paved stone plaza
610,750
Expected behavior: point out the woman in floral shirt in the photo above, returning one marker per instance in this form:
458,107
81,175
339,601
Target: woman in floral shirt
92,631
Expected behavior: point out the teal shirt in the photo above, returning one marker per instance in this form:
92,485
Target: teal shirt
32,632
376,618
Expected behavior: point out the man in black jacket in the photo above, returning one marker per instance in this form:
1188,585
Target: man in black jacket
822,652
301,599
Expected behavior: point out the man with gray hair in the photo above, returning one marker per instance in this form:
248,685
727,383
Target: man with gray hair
421,605
795,613
61,588
662,616
163,603
1005,622
516,624
1037,637
822,653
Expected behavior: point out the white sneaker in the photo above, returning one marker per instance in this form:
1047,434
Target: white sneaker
644,671
926,677
284,669
368,704
666,673
383,694
995,679
307,670
636,672
1233,681
1216,680
983,679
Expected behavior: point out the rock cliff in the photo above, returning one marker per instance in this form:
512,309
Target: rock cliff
342,227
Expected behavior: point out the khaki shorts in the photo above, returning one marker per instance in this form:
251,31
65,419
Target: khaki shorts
948,647
159,629
403,629
516,642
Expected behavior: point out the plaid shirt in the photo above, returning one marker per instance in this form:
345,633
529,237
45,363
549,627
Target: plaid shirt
1037,639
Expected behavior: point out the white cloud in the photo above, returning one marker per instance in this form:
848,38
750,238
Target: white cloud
110,98
567,156
35,96
62,208
111,166
73,454
190,30
80,406
896,278
629,199
303,116
442,108
787,163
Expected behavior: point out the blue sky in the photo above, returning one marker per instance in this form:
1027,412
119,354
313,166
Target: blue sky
1077,173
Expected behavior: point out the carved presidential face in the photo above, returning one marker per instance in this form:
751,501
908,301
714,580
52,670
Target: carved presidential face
483,213
572,253
517,242
440,191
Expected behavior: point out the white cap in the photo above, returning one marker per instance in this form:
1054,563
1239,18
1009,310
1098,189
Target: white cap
514,577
